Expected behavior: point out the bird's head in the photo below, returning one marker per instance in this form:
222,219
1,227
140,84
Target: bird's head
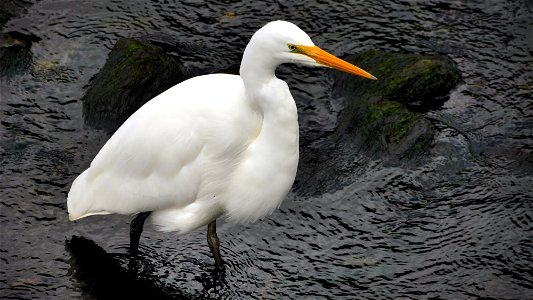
287,43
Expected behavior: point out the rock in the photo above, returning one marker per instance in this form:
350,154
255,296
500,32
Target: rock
15,54
388,127
420,82
378,120
381,116
134,73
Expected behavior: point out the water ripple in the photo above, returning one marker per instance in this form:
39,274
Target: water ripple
457,226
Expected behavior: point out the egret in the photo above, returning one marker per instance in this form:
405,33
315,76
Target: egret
211,146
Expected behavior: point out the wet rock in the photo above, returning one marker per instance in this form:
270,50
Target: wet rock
420,82
380,120
388,127
15,54
134,73
381,116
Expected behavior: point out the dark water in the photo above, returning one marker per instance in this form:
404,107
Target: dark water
457,226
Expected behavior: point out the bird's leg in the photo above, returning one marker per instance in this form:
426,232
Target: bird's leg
212,240
136,228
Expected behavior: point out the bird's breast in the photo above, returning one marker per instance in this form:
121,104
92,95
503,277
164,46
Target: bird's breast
268,166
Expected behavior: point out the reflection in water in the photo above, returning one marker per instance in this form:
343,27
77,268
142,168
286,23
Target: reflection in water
116,276
101,275
456,225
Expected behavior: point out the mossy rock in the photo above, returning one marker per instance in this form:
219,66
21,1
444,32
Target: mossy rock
15,52
420,82
134,73
377,121
392,129
381,116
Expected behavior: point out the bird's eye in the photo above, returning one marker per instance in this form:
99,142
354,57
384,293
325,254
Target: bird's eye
292,48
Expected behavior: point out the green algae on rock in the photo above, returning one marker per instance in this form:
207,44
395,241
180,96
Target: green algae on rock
418,81
383,114
134,73
377,120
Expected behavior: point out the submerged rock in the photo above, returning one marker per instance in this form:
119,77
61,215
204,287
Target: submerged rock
134,73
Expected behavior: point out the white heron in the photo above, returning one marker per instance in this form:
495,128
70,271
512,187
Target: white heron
214,145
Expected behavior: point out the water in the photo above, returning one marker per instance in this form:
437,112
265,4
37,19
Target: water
456,225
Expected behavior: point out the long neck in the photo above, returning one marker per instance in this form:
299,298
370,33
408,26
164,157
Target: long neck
257,69
272,157
273,100
270,95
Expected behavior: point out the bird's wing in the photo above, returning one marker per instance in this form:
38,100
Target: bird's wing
162,155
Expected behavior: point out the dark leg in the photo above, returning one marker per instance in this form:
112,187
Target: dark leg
212,240
136,228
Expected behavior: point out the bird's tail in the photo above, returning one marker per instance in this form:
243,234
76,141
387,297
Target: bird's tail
79,200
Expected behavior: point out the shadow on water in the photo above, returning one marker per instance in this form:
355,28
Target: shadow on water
106,275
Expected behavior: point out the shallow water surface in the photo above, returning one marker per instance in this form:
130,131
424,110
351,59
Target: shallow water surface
456,225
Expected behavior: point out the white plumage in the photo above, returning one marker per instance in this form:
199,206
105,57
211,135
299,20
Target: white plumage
210,146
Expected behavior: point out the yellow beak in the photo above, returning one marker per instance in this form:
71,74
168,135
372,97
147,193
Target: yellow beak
329,60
